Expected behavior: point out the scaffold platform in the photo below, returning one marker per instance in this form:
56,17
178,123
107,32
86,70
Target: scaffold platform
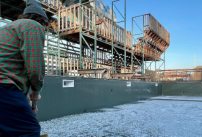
98,41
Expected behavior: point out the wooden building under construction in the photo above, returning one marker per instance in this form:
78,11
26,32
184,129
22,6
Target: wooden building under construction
80,37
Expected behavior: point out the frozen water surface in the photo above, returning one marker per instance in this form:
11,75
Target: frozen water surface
156,118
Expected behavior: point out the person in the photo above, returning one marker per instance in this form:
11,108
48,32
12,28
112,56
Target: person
22,66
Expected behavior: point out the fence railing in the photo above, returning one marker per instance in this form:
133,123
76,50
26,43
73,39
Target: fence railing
183,75
69,20
68,67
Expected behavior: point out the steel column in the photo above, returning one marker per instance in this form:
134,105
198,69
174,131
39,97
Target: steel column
145,67
115,64
58,42
112,48
132,62
132,54
155,64
95,35
80,30
143,49
47,52
164,62
149,65
125,37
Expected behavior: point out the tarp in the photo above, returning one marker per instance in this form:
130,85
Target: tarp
103,9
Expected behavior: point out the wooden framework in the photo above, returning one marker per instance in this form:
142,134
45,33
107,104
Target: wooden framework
122,75
150,23
69,18
157,39
150,52
70,30
141,77
70,67
130,75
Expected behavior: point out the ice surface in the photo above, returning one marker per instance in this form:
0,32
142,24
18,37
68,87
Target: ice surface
156,118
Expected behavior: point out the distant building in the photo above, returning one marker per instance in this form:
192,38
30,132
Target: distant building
197,75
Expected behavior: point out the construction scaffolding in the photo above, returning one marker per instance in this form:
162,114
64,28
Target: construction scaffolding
94,35
82,41
150,41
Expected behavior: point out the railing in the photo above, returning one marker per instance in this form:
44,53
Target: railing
69,20
69,67
148,51
180,75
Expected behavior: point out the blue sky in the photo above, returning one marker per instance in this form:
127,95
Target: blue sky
181,18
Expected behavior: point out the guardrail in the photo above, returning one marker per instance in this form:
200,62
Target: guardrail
69,20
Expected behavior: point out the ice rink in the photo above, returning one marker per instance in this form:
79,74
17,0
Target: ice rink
150,118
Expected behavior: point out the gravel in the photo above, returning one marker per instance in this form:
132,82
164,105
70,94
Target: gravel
150,118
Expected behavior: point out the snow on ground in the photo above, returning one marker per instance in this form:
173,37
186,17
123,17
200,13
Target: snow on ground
154,118
179,98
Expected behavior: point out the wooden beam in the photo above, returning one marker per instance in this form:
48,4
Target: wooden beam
122,75
141,77
91,71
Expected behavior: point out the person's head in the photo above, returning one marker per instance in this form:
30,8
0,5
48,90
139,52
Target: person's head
35,12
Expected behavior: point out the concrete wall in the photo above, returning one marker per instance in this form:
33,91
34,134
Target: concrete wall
182,89
89,94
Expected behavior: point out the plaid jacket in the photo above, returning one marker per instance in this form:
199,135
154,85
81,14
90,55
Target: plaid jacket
21,54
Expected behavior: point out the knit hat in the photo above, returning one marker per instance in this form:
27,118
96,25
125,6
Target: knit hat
33,6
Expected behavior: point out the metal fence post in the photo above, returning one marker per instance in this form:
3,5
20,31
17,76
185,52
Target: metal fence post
80,39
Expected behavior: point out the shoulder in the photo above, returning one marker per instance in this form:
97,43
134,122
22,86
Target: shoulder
26,24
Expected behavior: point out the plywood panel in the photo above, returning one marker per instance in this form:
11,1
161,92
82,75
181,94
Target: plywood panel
155,26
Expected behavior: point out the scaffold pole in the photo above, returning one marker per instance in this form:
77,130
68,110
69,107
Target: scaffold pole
125,37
